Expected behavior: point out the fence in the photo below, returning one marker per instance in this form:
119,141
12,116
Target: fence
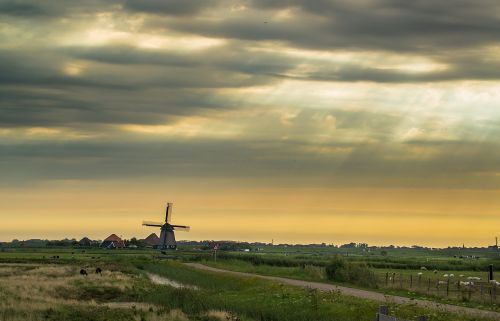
449,287
383,315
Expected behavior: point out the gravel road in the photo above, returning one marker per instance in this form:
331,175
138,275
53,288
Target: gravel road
370,295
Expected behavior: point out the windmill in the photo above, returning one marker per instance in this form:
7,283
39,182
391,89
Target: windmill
167,236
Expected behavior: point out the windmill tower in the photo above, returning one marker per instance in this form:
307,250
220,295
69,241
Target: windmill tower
167,236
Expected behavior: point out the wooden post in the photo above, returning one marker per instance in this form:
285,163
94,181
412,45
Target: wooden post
400,280
411,281
419,279
470,291
448,287
429,285
393,278
490,273
382,310
386,279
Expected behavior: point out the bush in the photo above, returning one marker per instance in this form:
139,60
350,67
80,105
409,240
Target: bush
341,270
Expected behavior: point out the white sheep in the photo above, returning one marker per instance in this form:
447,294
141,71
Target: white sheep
466,283
442,282
461,275
419,273
494,282
474,278
423,268
445,275
452,275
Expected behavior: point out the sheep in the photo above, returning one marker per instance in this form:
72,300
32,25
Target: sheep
466,283
423,268
419,273
442,282
435,271
445,275
461,275
452,275
98,271
473,278
495,282
83,272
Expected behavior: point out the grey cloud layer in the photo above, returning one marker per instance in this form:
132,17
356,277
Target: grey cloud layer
122,84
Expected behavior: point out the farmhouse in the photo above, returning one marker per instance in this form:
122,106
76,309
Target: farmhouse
113,242
152,240
85,242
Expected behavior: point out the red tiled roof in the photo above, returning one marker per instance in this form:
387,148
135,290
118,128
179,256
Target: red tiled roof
113,237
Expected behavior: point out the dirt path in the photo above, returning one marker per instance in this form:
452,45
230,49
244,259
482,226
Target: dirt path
370,295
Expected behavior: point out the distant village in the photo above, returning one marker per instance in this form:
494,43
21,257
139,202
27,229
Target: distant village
114,241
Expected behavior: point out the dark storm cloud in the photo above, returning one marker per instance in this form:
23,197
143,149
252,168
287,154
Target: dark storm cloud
368,165
186,7
51,79
67,107
426,26
53,8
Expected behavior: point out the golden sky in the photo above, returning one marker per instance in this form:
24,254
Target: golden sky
300,121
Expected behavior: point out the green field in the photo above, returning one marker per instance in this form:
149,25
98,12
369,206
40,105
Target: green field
36,286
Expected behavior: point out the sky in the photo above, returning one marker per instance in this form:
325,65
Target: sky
296,121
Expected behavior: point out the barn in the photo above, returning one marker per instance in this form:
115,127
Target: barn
152,240
113,242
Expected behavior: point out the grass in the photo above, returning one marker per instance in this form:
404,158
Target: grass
54,290
317,274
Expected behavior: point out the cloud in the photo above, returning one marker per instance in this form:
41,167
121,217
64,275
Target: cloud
328,93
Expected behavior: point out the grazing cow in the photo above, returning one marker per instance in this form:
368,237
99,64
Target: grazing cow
98,271
83,272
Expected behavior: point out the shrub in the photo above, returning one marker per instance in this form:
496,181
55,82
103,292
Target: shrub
341,270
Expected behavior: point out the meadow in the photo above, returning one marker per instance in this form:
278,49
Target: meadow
36,285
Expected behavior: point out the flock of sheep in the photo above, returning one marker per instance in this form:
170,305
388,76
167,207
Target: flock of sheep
470,279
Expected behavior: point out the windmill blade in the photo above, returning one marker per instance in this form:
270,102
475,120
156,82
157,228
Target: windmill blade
168,214
149,223
181,228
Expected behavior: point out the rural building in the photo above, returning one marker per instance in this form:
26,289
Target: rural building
85,242
152,240
113,242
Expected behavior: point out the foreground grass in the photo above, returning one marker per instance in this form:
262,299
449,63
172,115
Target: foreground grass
263,300
317,274
124,292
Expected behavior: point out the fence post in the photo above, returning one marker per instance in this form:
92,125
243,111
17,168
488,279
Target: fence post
411,281
382,310
386,279
400,280
448,287
429,285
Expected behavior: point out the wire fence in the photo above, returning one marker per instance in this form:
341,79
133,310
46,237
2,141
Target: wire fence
463,289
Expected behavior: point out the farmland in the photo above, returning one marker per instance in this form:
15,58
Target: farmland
48,283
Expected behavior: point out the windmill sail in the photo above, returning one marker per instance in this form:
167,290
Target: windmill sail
168,214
